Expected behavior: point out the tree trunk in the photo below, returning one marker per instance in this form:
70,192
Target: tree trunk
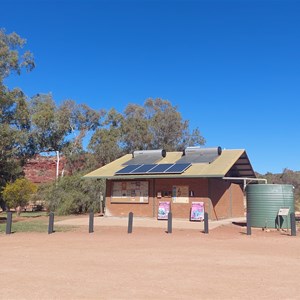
18,211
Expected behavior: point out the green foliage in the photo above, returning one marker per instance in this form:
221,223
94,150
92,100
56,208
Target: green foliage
105,142
156,125
72,195
18,193
10,58
286,177
15,141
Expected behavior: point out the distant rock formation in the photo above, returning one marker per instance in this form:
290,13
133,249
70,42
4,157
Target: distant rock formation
42,169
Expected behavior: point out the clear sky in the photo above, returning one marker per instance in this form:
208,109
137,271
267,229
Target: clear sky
232,68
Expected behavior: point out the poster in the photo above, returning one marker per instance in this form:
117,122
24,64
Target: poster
163,210
197,211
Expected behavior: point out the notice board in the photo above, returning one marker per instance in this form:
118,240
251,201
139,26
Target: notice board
180,194
130,191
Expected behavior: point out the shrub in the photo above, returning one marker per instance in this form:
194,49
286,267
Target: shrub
18,193
72,195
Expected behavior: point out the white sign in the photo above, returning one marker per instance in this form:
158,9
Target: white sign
283,212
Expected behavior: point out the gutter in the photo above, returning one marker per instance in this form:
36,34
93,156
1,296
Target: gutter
245,179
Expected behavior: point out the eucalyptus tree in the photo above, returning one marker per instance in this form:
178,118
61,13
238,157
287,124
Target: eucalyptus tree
15,141
12,58
62,128
135,129
86,121
105,143
168,129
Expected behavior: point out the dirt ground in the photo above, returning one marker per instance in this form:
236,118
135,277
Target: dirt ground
150,264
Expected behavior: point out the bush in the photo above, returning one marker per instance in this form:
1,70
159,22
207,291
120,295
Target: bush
18,193
72,195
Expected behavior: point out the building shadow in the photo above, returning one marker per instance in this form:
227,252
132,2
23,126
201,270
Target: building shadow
241,224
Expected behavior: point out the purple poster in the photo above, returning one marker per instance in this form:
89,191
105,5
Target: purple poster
197,211
163,210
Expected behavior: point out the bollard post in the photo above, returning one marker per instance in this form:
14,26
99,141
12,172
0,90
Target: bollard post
169,222
130,222
51,223
248,224
8,222
91,222
293,224
206,222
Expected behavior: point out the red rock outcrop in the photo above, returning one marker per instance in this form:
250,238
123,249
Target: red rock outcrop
42,169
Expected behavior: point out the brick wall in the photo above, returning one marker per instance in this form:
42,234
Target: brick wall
222,199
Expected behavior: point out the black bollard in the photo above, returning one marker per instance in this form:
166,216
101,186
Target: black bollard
8,222
206,222
91,222
248,224
130,222
293,224
169,222
51,223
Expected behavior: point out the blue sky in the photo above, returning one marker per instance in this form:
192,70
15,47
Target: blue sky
231,67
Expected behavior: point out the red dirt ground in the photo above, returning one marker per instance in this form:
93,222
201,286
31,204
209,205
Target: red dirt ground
150,264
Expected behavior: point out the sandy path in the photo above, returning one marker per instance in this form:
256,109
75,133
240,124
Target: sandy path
150,264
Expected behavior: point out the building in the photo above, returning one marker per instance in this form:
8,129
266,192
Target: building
147,181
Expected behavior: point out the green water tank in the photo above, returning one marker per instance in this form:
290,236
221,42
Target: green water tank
264,202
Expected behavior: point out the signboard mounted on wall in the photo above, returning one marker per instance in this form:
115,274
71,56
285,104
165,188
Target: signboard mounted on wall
130,192
163,210
197,211
180,194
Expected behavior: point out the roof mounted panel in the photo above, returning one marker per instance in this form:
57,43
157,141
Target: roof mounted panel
146,156
177,168
143,169
127,170
200,155
161,168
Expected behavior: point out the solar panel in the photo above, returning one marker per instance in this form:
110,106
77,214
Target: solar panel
128,169
160,168
143,169
178,168
154,169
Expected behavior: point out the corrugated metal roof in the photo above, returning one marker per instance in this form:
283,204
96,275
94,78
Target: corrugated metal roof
224,165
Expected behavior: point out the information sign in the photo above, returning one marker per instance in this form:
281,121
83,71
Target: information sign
163,210
197,211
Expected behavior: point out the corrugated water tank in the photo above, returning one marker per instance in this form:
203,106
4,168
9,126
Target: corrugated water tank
264,202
